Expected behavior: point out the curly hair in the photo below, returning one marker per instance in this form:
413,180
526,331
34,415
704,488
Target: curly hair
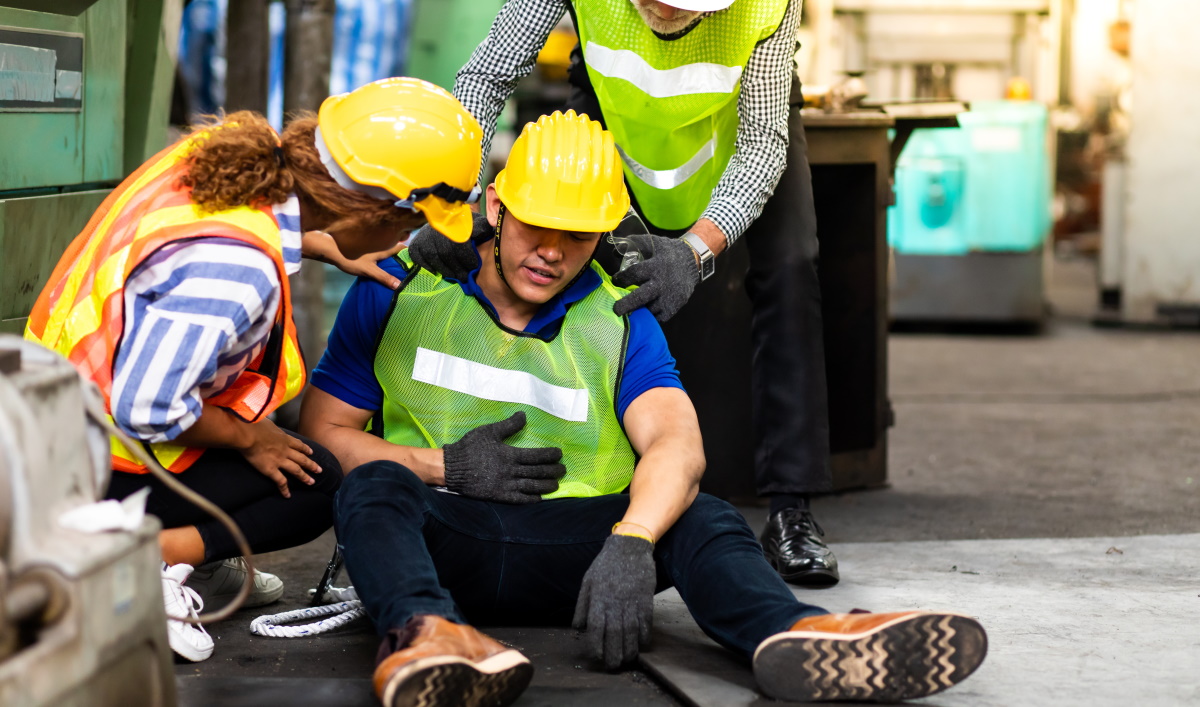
240,160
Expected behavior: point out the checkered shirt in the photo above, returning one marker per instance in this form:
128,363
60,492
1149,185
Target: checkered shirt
509,53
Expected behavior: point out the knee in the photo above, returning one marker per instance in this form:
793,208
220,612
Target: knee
380,478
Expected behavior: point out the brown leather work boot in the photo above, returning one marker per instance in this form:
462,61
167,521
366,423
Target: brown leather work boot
869,657
437,663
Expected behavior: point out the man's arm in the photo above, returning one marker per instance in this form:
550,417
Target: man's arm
662,426
616,600
761,147
339,427
505,56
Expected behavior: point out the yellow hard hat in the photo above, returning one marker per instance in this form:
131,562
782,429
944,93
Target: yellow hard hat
564,173
405,139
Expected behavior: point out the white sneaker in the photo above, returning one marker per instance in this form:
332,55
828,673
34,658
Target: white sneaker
188,640
218,583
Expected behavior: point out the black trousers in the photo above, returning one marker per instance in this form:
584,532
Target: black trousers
269,521
412,550
789,399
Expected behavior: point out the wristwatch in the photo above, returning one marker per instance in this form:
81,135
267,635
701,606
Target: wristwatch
708,261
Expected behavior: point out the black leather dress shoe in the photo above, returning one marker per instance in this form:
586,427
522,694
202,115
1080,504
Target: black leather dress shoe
792,545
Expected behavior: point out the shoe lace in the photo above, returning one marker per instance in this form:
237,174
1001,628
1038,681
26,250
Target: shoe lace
802,519
187,597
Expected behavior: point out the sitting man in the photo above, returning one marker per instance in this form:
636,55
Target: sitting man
532,406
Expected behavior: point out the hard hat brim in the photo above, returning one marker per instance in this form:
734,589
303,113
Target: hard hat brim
453,221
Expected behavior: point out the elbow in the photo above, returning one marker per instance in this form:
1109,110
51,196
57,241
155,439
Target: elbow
697,462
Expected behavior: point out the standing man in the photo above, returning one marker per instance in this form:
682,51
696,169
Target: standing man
696,93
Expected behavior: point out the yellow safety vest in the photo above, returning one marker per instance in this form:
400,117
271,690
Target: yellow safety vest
446,367
672,104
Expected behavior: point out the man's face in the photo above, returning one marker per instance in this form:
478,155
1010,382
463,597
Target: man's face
538,262
664,18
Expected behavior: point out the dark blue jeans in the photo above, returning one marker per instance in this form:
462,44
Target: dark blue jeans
412,550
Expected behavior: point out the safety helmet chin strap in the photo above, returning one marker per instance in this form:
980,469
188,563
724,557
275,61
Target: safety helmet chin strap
496,245
496,254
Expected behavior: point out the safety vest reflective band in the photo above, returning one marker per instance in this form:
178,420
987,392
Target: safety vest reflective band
672,104
80,313
446,367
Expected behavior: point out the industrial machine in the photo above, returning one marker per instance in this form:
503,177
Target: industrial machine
85,89
84,94
81,614
1150,253
971,216
972,204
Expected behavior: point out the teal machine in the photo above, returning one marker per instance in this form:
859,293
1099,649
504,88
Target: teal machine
971,217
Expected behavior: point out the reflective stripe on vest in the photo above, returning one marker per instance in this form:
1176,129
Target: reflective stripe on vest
684,80
80,313
500,384
446,367
670,178
672,104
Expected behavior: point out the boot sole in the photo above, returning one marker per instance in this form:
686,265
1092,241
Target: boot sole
449,681
911,657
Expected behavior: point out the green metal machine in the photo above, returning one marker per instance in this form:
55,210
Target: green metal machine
444,33
85,91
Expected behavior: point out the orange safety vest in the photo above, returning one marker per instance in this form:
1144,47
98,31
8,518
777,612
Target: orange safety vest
80,313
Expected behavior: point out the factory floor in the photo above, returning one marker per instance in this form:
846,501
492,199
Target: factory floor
1044,483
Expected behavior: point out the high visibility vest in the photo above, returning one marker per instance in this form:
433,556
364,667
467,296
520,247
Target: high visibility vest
80,313
446,367
672,104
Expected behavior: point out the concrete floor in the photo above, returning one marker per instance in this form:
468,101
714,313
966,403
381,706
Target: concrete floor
1021,458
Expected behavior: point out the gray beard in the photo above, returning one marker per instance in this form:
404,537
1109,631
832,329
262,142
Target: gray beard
682,20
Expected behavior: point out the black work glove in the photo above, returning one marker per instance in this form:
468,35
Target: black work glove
481,465
437,253
665,280
616,601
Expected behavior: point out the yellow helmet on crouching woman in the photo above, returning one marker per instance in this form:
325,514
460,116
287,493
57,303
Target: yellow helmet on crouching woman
408,140
564,173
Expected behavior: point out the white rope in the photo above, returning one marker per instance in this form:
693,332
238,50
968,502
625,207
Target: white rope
343,613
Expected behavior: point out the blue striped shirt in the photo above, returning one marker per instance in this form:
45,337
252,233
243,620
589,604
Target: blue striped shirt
196,314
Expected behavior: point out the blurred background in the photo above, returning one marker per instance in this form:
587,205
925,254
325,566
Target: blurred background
1037,173
1007,201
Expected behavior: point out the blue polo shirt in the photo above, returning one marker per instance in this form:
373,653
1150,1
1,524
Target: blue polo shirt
347,370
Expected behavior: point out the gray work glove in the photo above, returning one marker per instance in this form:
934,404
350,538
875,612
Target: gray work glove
437,253
481,465
665,280
616,601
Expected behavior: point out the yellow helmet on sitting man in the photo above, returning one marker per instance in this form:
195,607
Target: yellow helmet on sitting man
407,140
564,173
